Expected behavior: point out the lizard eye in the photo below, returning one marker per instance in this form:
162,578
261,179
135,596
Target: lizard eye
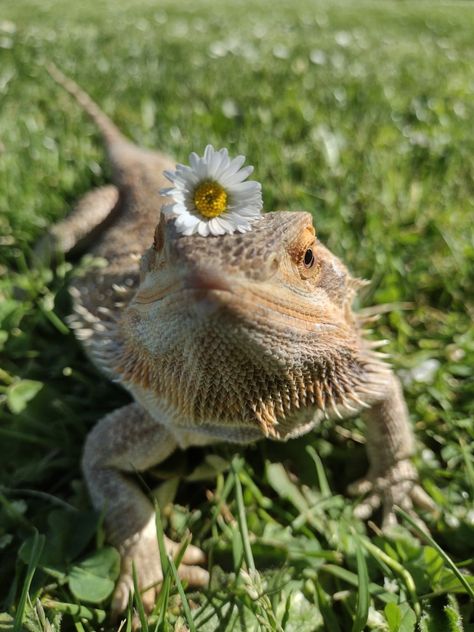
308,259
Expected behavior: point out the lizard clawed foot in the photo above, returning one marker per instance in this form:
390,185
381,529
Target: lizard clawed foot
396,486
142,552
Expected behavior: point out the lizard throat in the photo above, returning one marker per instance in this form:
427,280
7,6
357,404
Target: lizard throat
215,380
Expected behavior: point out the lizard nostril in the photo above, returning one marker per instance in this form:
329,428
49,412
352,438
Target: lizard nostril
205,279
273,263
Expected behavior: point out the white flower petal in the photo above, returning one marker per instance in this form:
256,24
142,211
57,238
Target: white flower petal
208,153
203,229
244,228
196,228
235,164
237,177
180,206
167,191
202,171
221,171
226,225
244,214
170,175
238,219
223,166
194,160
246,186
214,165
167,209
244,200
174,193
186,220
216,228
188,229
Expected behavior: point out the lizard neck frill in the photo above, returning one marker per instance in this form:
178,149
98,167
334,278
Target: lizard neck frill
207,379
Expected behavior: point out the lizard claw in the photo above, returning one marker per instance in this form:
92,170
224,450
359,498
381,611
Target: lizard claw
141,551
395,487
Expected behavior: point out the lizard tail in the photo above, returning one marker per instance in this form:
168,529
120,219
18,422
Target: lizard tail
107,128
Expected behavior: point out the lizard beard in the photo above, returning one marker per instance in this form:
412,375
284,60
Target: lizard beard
222,372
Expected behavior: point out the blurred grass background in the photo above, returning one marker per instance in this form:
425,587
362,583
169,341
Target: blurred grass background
360,112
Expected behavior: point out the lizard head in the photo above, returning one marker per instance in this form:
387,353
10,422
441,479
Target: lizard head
255,326
279,267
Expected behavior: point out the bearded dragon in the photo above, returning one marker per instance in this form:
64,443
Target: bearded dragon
218,339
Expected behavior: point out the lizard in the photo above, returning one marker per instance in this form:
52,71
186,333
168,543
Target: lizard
233,338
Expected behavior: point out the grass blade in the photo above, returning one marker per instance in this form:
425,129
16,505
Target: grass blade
451,610
36,550
184,601
468,462
161,540
241,518
139,602
326,608
353,580
423,535
76,611
398,568
162,604
322,478
362,608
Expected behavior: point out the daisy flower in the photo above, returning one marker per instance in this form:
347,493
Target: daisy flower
211,197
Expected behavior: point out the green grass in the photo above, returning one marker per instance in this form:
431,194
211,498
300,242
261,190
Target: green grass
360,112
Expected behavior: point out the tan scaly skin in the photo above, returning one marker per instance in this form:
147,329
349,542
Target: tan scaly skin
232,338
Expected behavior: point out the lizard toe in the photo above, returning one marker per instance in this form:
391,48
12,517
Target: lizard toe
390,518
366,508
149,598
141,552
395,487
361,487
121,596
195,576
422,500
192,555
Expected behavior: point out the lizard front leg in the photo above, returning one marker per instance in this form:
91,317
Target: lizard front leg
89,217
392,477
125,441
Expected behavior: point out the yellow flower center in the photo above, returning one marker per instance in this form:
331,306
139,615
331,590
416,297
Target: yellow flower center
210,199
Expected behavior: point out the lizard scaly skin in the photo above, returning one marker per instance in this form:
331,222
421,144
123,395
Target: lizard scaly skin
234,338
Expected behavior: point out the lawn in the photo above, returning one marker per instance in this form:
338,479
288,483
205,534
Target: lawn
363,114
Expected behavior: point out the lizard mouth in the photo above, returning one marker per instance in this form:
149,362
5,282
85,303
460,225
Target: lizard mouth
206,294
207,280
199,281
255,311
